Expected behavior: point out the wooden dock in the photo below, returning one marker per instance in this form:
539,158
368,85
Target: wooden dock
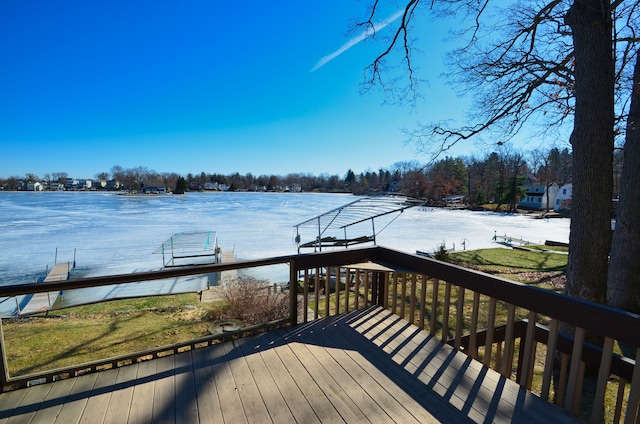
511,241
365,366
212,293
42,302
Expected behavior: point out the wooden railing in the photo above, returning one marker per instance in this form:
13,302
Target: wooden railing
10,382
510,327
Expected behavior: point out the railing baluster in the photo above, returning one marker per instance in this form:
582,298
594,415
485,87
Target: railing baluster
576,357
548,366
423,300
327,291
446,312
507,356
338,290
412,304
498,366
617,414
473,331
356,289
305,295
459,317
491,325
385,290
528,352
4,368
579,384
403,291
367,300
347,280
394,293
316,291
634,393
562,380
434,308
603,376
293,293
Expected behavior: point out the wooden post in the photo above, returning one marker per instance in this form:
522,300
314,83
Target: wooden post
377,291
293,294
4,369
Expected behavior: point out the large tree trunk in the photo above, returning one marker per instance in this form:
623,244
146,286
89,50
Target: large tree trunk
592,141
623,283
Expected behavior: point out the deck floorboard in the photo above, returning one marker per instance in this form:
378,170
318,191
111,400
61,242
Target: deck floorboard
365,366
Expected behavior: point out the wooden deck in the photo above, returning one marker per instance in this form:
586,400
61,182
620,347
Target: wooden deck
365,366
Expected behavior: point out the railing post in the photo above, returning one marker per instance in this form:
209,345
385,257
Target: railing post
293,293
4,369
377,289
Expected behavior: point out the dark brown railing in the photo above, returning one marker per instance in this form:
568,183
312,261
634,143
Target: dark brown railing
510,327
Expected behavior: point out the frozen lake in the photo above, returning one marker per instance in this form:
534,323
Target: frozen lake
114,234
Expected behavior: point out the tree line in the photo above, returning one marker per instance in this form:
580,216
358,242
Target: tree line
495,177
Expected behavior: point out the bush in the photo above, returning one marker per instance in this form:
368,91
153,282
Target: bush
248,300
441,254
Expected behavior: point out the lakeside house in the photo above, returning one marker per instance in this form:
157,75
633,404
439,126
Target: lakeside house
153,187
34,186
539,196
563,199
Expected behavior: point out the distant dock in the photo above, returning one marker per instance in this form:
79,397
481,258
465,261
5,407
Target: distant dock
511,241
227,277
42,302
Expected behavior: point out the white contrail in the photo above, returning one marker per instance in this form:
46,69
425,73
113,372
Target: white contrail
355,40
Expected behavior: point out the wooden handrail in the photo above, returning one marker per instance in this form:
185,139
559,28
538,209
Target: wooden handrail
376,287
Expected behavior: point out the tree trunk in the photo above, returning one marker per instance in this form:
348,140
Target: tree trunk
623,283
592,141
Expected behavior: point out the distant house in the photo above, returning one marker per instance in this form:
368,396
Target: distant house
112,185
34,186
85,184
293,188
153,187
539,196
71,184
563,199
56,187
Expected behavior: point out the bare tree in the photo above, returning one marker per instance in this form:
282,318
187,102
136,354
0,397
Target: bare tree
553,61
623,283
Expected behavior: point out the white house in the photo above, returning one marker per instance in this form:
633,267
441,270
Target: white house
85,184
34,186
539,196
563,199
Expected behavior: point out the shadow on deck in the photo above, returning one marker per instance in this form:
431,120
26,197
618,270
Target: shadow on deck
368,365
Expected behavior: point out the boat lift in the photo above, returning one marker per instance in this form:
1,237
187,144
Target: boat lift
190,248
330,228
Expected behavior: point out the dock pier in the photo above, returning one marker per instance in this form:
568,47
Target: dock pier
42,302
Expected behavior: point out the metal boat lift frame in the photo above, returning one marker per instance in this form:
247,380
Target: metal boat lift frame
346,216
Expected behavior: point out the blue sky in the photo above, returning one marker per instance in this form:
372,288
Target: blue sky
202,86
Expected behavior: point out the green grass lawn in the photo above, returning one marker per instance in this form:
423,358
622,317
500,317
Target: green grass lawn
102,330
538,259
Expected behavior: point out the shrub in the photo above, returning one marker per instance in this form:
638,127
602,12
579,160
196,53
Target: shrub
248,300
442,254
